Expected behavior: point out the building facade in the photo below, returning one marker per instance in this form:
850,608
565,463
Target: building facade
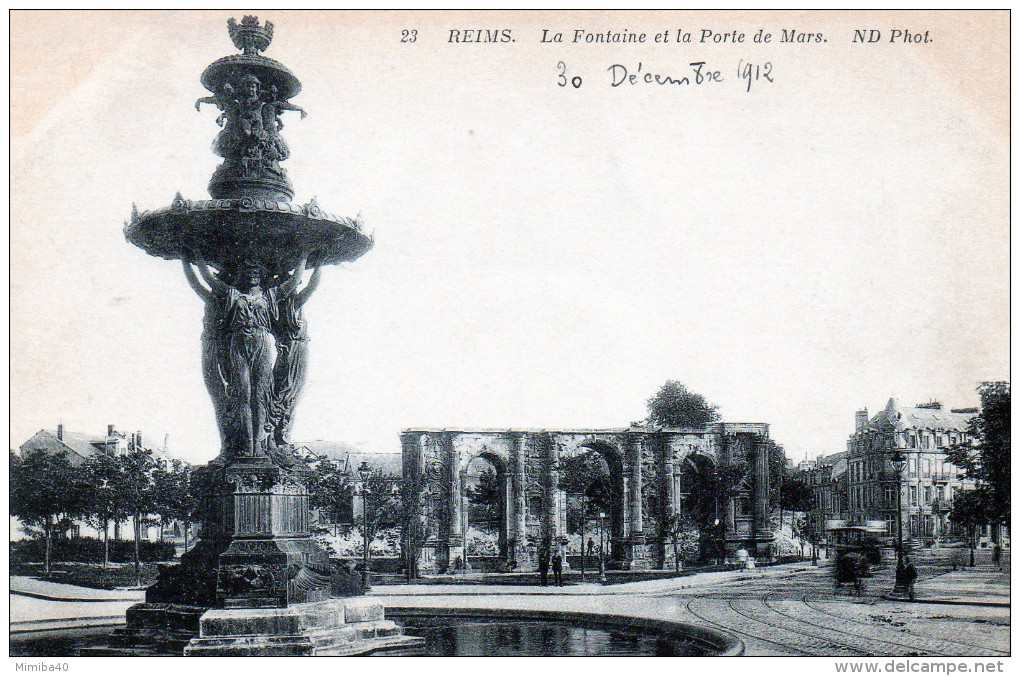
861,484
923,434
646,465
827,479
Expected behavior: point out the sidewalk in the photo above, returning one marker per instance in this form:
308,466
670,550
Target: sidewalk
644,587
982,585
55,591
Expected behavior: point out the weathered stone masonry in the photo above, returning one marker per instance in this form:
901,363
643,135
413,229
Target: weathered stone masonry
646,467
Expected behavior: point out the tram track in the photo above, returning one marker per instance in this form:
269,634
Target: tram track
843,618
876,635
811,648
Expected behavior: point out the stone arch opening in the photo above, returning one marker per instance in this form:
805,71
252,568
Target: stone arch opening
486,511
609,459
699,499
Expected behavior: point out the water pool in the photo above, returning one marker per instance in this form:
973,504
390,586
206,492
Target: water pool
463,633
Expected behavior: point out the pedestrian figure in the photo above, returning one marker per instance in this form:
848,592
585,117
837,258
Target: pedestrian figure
543,565
557,568
997,556
591,547
909,576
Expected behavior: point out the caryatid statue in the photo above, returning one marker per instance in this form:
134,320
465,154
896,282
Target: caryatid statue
253,395
251,247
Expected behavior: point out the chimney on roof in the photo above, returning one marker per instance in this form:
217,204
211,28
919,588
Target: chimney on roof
60,431
109,431
861,420
138,439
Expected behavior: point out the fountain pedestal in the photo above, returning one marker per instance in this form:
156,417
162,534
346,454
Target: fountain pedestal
256,583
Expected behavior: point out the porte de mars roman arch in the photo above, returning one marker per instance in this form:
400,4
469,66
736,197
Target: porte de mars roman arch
646,467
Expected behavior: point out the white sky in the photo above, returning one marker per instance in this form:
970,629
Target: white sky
544,257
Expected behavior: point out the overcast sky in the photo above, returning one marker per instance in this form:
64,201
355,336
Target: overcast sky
545,257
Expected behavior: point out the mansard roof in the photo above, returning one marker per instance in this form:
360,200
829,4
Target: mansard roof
920,418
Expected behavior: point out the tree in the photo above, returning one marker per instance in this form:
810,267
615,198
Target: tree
986,455
331,491
103,498
970,509
417,513
778,471
683,534
705,492
676,406
585,475
172,499
45,493
486,497
382,504
138,496
795,495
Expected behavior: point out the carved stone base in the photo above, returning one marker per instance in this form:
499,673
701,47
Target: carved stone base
256,550
333,627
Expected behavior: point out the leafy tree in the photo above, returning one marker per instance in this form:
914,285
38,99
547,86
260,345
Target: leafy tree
676,406
986,456
45,493
172,499
485,498
683,534
705,490
331,491
970,509
796,496
103,498
382,503
585,475
138,495
778,471
416,513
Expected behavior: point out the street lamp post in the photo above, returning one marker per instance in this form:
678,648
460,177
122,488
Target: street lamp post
898,462
583,517
602,547
365,473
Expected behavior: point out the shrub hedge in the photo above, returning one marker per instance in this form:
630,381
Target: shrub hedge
89,550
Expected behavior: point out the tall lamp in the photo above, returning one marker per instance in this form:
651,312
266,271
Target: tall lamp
365,473
898,462
602,549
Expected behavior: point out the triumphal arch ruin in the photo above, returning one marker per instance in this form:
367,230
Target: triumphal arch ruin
647,468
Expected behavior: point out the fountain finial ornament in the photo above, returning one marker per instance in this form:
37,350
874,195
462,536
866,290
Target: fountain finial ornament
249,36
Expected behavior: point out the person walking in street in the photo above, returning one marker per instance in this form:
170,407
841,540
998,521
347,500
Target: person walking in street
909,576
557,568
997,556
543,565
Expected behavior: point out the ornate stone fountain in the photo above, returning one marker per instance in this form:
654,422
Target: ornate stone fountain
256,583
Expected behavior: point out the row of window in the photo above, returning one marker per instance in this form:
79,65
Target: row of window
929,440
923,496
935,465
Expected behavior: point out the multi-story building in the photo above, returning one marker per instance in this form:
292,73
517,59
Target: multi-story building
827,478
860,484
923,434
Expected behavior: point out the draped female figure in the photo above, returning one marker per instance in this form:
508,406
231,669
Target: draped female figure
291,332
247,355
